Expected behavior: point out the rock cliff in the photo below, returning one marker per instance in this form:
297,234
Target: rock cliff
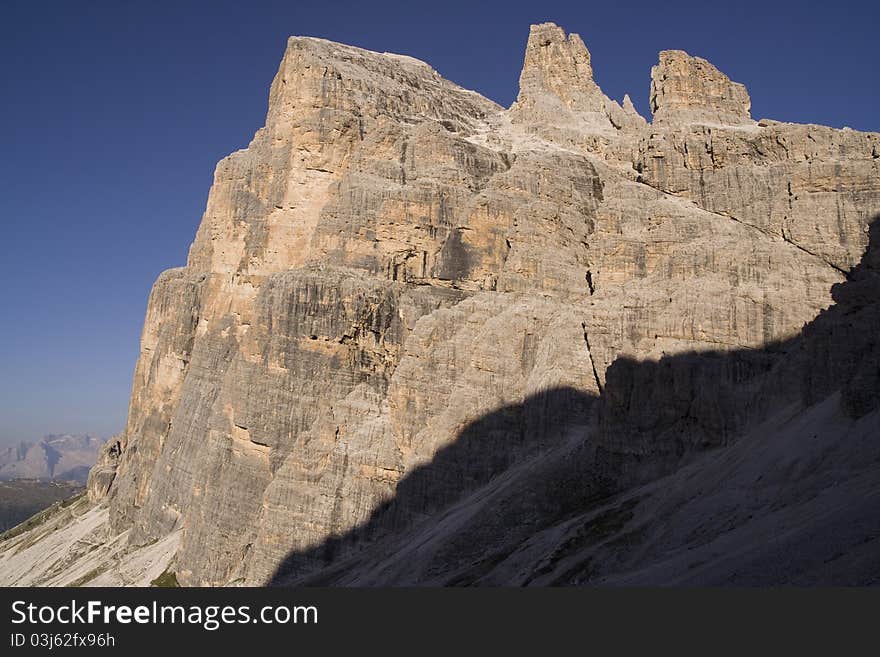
423,339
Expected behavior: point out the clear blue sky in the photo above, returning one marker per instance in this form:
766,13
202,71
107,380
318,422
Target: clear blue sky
114,114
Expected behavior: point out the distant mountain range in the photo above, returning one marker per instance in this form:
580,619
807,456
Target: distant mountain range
55,457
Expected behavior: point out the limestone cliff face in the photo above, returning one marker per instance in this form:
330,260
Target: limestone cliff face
396,266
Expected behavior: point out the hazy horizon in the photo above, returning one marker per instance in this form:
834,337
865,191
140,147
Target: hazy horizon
115,116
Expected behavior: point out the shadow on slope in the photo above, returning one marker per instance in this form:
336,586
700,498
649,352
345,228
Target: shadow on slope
531,467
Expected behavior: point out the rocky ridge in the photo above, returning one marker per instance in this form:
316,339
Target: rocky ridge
415,323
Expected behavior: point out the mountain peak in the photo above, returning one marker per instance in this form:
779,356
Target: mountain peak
558,97
687,89
559,65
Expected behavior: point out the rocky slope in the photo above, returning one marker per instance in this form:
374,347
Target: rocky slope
22,498
423,339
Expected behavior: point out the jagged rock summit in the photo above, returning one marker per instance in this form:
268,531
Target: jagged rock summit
559,66
422,339
558,97
691,90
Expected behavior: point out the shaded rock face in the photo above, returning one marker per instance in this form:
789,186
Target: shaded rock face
736,467
398,273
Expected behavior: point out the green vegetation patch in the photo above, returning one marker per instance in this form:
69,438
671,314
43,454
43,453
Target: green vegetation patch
26,503
88,577
167,580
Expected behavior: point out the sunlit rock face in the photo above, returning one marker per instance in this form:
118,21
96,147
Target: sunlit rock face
396,266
